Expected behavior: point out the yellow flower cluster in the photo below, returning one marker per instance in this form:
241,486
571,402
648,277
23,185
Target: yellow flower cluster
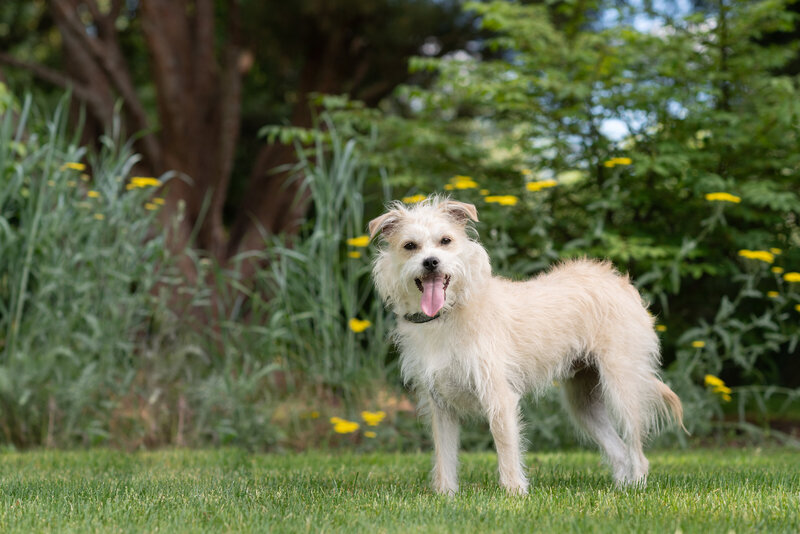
773,294
373,418
360,241
414,199
503,200
93,194
792,277
613,162
698,344
723,197
358,326
140,182
75,166
461,182
661,327
538,186
719,387
343,426
760,255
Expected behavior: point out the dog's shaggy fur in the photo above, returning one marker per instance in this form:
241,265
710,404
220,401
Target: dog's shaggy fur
493,340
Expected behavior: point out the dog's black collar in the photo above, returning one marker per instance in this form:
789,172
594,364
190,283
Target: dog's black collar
420,317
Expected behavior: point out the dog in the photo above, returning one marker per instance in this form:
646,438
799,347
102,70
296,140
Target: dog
472,343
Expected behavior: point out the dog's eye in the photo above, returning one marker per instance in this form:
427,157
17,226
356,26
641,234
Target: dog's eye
446,241
410,246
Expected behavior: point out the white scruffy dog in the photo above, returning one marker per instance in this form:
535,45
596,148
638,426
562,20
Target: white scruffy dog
474,343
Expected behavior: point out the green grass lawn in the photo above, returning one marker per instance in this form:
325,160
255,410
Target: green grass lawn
230,490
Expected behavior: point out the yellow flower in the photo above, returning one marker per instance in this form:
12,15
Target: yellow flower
159,201
719,387
149,206
370,434
373,418
484,192
792,277
99,216
448,187
503,200
797,307
354,254
143,181
538,186
360,241
358,326
713,381
414,199
776,251
93,194
661,327
75,166
314,414
617,161
342,426
760,255
723,197
462,182
773,294
337,420
777,270
698,344
85,177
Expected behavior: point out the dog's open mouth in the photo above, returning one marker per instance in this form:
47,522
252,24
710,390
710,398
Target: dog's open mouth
433,290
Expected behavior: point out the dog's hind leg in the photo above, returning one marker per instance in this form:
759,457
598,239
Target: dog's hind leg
445,442
627,396
584,400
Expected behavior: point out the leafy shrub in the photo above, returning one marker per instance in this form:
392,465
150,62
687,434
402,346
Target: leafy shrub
706,167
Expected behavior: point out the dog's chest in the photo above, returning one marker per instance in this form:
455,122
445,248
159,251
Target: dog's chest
455,389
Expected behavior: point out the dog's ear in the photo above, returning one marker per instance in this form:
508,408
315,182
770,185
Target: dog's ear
461,212
386,224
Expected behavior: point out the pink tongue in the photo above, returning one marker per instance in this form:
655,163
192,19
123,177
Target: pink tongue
432,295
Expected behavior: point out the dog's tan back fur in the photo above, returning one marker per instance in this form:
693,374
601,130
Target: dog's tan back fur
581,324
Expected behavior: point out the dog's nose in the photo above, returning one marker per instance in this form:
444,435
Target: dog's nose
431,263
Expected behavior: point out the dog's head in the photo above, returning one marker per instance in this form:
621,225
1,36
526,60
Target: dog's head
429,262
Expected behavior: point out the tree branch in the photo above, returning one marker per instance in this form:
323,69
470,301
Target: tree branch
48,75
108,55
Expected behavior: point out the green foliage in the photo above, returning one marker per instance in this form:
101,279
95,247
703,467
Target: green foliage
319,282
99,342
703,110
76,279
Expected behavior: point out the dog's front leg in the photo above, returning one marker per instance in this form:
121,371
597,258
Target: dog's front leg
445,443
502,409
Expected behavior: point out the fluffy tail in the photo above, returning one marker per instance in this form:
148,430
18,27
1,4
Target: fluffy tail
673,404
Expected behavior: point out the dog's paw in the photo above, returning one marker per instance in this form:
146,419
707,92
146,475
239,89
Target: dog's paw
632,484
516,487
445,489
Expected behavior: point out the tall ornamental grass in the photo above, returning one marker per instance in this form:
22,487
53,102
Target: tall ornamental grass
77,276
336,331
